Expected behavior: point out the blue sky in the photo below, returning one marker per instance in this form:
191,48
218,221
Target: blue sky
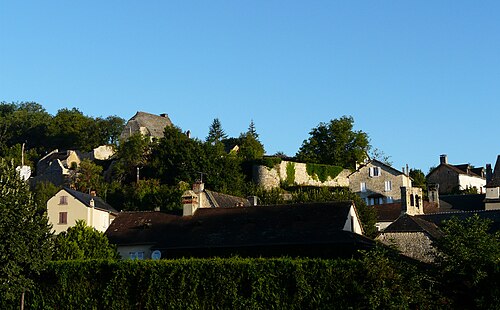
422,78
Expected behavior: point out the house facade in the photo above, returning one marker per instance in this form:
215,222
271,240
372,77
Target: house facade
455,178
378,183
68,206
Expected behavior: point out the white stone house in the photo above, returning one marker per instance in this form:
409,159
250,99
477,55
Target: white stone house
455,178
68,206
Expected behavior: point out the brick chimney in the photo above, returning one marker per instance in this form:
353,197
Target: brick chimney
489,173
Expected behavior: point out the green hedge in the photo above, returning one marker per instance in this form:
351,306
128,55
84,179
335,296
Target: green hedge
269,162
233,283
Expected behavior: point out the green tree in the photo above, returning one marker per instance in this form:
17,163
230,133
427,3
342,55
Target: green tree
133,153
252,131
250,147
335,143
25,237
83,242
89,177
469,264
418,178
177,157
215,132
44,191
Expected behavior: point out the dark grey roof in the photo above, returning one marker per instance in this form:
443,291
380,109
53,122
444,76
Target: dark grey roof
258,226
155,124
495,180
459,169
85,199
407,223
439,218
468,202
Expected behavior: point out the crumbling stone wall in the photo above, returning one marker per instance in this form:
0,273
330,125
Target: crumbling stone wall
274,177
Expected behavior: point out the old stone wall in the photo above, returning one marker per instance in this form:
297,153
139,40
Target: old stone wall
274,177
416,245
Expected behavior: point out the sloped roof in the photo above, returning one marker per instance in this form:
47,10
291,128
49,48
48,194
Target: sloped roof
459,169
495,180
378,163
297,224
155,124
407,223
388,212
85,199
219,200
439,218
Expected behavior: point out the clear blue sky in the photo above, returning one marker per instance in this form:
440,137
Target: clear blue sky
422,78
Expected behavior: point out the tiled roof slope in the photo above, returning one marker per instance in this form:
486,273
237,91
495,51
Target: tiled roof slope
298,224
85,199
155,124
406,223
219,200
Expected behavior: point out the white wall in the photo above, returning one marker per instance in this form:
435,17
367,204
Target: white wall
466,181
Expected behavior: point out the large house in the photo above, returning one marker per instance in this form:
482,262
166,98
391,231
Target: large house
146,124
455,178
315,229
68,206
378,183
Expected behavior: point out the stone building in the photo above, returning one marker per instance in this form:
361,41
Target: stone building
455,178
146,124
378,183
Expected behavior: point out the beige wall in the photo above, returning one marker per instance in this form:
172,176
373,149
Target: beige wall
76,210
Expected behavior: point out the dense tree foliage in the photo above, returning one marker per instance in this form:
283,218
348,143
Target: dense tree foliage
25,238
335,143
469,264
83,242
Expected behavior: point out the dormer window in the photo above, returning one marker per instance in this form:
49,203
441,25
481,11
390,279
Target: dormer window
63,200
374,171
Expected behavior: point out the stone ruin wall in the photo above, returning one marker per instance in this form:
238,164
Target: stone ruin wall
273,177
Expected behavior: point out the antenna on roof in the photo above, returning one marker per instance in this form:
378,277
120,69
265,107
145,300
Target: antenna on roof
201,175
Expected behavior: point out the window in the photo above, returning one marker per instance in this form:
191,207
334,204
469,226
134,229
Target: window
136,255
63,217
388,186
362,186
412,200
63,200
390,199
374,171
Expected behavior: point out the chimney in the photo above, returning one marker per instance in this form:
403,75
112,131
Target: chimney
412,200
92,203
93,193
443,159
433,193
198,187
254,200
189,203
489,173
188,134
164,115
